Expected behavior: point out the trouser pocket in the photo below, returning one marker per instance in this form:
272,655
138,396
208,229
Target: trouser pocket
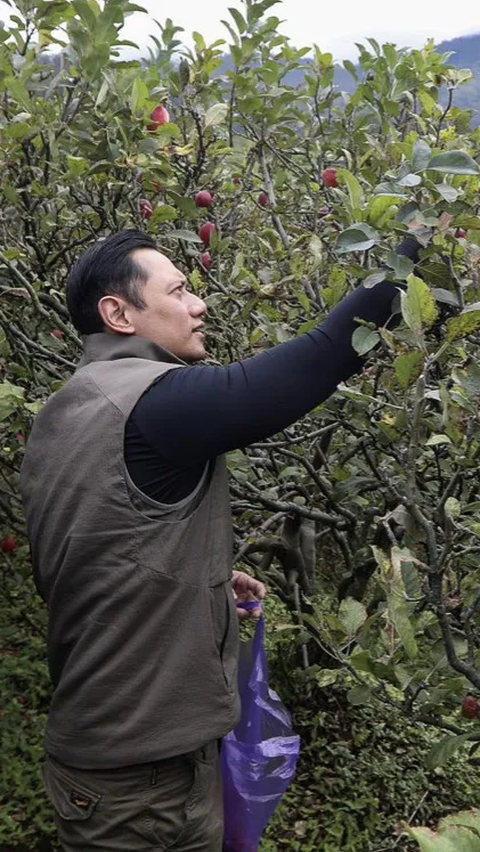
132,809
71,799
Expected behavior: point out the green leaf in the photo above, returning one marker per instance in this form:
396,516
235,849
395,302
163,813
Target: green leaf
76,165
465,323
419,309
353,616
359,695
446,297
358,238
438,440
373,279
34,407
410,180
327,677
164,213
402,266
453,507
10,398
471,223
421,155
364,339
408,367
431,841
350,67
379,205
454,163
467,819
239,20
139,95
449,193
355,191
216,115
444,750
187,236
315,247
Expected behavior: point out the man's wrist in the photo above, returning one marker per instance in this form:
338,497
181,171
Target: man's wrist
410,247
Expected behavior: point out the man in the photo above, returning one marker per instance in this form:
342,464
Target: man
126,498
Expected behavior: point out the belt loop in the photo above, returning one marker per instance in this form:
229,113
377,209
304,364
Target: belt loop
154,776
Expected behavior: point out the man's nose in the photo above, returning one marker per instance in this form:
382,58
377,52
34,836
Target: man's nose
197,306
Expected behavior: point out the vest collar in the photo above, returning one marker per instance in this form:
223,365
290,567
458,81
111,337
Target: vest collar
111,347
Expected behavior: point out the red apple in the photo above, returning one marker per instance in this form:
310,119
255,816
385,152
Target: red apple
237,180
20,437
158,117
206,231
324,211
9,544
263,199
57,333
470,707
329,177
206,260
146,208
461,233
203,198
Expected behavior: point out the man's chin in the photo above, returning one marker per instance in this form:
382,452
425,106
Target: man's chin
197,355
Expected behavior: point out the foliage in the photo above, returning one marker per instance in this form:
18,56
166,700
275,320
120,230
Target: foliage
362,517
460,833
361,776
26,819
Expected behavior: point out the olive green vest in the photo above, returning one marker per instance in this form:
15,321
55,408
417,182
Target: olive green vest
142,637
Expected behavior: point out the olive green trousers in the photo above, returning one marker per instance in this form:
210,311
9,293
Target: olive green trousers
175,804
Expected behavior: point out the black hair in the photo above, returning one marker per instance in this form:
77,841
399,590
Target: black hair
104,269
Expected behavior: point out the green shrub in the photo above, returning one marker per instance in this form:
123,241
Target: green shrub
361,772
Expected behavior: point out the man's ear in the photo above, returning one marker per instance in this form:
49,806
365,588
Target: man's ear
114,313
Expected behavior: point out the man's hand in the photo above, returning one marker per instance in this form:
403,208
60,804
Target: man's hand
246,588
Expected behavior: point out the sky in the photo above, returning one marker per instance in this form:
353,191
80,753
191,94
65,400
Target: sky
334,26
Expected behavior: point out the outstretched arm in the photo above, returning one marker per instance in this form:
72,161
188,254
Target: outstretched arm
194,414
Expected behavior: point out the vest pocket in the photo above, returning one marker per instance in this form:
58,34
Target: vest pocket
228,648
72,801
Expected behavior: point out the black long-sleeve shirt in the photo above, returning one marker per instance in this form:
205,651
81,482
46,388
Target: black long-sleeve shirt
195,413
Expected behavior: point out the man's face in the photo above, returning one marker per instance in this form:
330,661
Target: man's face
173,317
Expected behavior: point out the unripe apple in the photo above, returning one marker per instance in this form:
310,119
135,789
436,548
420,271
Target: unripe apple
203,198
57,333
158,116
329,177
470,707
461,233
263,199
206,231
206,260
146,208
9,544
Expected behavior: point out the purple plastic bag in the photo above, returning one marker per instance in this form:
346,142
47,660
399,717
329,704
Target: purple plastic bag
259,756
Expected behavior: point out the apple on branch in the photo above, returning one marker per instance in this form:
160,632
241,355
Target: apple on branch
158,117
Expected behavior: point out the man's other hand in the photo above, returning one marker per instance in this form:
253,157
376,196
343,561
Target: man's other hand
246,589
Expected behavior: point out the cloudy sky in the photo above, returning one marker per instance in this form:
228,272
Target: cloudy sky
334,26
